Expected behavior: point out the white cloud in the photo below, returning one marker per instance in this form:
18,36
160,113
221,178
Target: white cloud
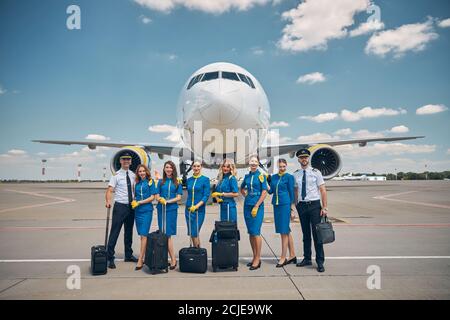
215,7
343,132
172,57
323,117
174,136
316,137
444,23
144,19
257,51
369,112
367,27
17,152
2,90
311,78
408,37
41,154
351,116
314,22
448,151
94,136
391,149
399,129
279,124
431,108
366,134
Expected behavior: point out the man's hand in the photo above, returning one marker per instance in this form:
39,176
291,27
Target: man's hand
162,201
108,204
254,212
324,212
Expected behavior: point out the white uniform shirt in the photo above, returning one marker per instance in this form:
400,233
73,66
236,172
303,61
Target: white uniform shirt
314,180
119,183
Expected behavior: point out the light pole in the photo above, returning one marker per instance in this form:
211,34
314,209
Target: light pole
79,172
104,174
43,168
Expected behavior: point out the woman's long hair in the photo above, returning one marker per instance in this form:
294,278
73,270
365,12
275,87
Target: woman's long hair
147,173
233,171
174,173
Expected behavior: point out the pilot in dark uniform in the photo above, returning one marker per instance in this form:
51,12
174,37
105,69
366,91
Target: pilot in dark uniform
310,189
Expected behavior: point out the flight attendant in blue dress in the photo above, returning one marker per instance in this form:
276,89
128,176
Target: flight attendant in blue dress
143,208
169,192
254,189
198,190
283,199
226,190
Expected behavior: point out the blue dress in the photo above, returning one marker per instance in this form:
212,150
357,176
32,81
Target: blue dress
228,210
255,183
143,213
168,190
282,188
198,189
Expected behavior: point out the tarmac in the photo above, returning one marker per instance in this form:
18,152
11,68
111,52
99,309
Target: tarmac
392,242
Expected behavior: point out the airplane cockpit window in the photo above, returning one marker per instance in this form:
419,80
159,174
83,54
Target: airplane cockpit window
230,75
211,76
194,80
247,80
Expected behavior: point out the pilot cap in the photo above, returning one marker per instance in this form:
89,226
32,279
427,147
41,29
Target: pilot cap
303,153
126,155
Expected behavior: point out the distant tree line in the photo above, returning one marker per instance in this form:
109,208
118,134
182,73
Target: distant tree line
427,175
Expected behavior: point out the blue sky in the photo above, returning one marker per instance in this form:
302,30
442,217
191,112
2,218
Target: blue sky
123,70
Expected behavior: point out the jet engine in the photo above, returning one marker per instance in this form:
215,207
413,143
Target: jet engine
138,156
325,159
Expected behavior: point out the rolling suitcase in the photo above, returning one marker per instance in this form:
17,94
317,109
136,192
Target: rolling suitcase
156,253
99,255
192,259
225,244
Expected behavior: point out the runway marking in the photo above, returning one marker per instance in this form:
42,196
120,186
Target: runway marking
388,197
60,200
244,258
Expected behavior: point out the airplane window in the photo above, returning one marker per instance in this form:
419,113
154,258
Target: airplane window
211,76
194,80
247,80
230,75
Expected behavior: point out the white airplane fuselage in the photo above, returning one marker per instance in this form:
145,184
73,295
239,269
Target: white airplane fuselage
221,99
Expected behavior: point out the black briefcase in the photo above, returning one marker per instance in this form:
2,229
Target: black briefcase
99,256
325,232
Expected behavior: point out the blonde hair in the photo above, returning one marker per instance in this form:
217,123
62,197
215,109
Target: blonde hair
232,168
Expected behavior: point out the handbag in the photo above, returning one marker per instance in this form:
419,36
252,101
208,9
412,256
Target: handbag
325,232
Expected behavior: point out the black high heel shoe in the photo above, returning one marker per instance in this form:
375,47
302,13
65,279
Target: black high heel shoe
279,265
174,266
257,267
137,268
249,264
293,260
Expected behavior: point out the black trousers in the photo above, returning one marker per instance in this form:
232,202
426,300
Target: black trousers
122,215
309,214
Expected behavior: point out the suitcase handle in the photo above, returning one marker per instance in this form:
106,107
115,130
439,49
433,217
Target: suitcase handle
108,213
191,244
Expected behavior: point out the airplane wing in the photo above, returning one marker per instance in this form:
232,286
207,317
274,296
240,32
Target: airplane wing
277,150
92,144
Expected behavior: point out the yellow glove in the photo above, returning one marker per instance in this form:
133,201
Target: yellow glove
217,194
162,201
192,209
134,204
219,200
254,212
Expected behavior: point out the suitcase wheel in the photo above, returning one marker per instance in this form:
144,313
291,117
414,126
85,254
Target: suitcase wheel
235,269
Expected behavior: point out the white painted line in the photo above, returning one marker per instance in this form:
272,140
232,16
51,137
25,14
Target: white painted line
245,258
388,197
61,200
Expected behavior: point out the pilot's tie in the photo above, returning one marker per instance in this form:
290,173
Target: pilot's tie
130,194
304,185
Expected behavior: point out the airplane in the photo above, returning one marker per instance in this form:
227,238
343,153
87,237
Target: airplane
217,98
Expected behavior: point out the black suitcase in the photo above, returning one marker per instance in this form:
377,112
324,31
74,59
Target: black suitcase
99,255
156,253
192,259
225,245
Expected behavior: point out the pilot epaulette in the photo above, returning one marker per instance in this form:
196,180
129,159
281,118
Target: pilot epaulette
150,182
314,169
180,180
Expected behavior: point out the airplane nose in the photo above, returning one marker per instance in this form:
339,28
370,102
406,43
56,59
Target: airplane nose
223,104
